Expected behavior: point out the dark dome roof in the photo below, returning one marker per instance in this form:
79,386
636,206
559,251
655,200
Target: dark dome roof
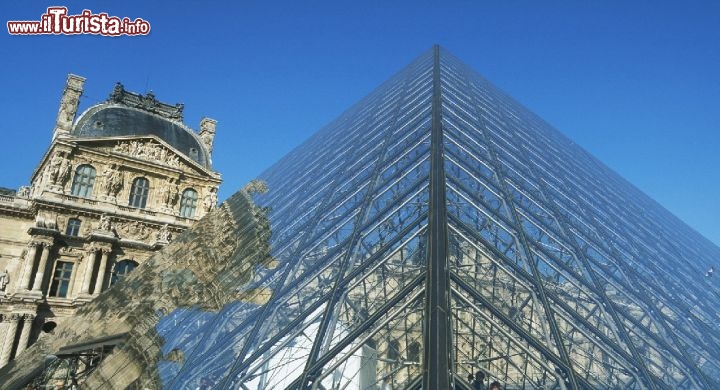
112,120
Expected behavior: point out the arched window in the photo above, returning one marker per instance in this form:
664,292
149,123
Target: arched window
188,203
121,270
83,181
139,192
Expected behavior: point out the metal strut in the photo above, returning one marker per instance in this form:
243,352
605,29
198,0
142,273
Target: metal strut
436,359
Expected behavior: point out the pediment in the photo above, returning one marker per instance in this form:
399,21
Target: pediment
149,149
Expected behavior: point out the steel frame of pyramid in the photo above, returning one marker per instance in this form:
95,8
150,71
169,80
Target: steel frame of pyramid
438,229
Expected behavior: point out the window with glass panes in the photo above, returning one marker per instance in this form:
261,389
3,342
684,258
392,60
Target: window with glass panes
139,192
83,181
188,203
73,227
61,279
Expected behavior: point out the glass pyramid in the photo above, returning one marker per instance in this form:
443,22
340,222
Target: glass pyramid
437,235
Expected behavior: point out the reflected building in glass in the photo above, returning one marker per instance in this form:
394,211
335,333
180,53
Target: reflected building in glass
436,235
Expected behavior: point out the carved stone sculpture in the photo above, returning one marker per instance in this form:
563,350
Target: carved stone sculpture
23,192
169,193
104,223
135,230
148,151
210,200
53,170
113,181
164,234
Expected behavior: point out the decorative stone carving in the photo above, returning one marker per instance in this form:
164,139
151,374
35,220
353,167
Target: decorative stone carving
164,234
85,229
169,193
61,222
58,170
149,151
112,181
67,108
69,104
5,279
67,250
23,192
43,221
146,102
134,230
210,200
117,93
104,223
207,132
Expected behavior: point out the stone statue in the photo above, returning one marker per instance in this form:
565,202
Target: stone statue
210,200
174,190
164,191
4,280
113,180
207,132
117,93
53,170
67,108
64,172
104,223
169,192
23,192
164,234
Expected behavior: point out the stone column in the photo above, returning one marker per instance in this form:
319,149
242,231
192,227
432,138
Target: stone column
89,265
37,285
101,271
9,339
25,333
24,283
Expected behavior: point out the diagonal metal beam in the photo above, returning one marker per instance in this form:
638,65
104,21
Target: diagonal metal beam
338,288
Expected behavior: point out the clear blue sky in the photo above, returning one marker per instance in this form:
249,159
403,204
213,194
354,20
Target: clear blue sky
638,85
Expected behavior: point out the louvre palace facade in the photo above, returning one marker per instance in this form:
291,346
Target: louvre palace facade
436,235
115,185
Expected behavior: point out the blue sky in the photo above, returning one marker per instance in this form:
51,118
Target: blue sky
638,85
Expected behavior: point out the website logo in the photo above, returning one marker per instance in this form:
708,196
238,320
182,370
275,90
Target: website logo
57,22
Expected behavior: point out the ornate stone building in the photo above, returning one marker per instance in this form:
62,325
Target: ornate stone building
115,185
